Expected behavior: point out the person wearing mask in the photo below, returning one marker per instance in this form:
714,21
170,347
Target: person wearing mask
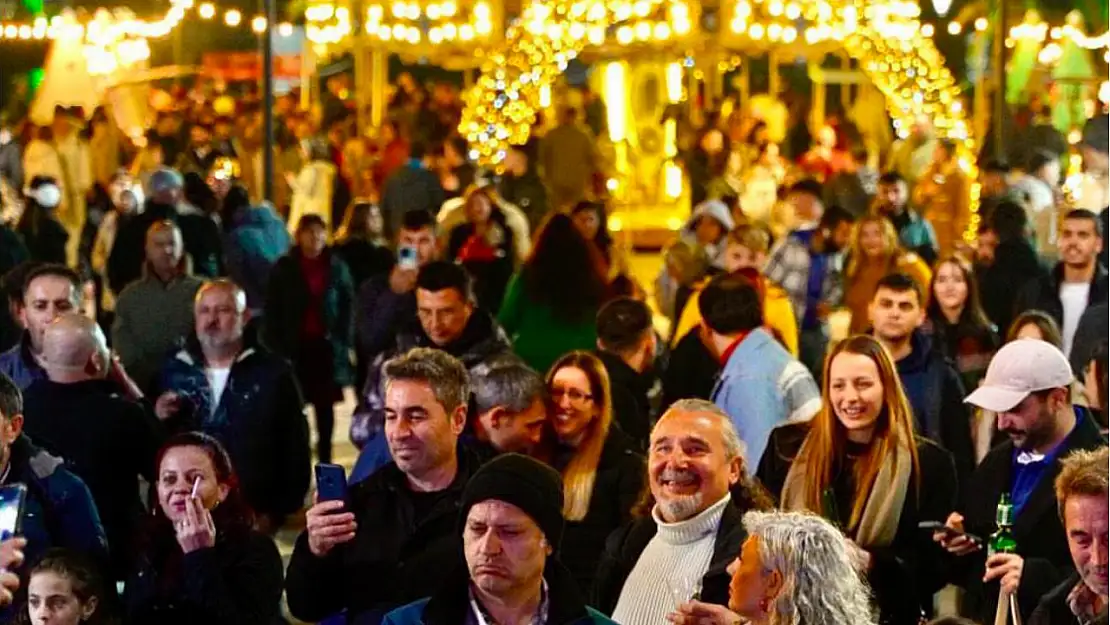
863,467
1081,496
761,386
510,404
126,197
447,319
412,187
545,313
1077,282
224,383
387,301
930,381
956,320
200,560
1013,262
107,440
308,322
807,265
626,345
358,242
39,226
65,588
511,520
772,580
483,245
914,233
602,473
874,253
395,539
58,510
1027,386
254,239
689,531
569,160
522,186
156,312
47,292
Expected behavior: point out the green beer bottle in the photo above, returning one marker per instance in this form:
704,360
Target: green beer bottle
1002,541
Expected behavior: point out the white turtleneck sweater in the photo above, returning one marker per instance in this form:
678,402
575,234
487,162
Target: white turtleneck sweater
679,551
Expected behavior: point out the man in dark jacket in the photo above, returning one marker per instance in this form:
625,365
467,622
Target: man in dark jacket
931,382
1077,282
694,534
915,233
1081,496
1012,262
413,187
1028,386
201,235
511,524
59,511
626,345
521,184
395,538
1094,326
448,320
107,440
225,384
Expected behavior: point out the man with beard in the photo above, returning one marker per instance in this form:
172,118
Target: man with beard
690,530
1081,495
224,383
1028,386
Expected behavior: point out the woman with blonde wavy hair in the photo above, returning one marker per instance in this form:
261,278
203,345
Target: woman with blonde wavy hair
602,473
874,252
861,466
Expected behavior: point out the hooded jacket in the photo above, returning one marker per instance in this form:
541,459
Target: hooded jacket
252,247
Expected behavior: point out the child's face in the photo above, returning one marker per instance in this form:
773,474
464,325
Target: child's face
50,600
738,257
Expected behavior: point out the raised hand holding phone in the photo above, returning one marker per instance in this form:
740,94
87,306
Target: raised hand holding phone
327,523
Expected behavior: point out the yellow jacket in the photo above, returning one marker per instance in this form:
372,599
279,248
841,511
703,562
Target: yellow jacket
778,314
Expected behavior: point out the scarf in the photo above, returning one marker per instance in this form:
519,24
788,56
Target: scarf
879,522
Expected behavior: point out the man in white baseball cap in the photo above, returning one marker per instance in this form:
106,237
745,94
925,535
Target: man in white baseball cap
1028,385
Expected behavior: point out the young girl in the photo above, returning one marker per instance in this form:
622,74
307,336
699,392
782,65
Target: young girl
64,590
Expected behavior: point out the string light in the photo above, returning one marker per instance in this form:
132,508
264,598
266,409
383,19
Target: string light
406,23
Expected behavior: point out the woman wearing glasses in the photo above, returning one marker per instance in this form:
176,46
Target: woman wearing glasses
602,474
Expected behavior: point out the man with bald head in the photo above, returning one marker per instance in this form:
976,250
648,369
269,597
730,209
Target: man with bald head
79,414
156,312
225,383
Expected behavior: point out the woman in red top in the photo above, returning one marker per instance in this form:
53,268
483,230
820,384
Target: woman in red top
484,246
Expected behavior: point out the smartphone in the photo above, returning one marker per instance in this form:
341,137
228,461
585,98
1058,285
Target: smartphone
331,482
406,257
937,526
12,500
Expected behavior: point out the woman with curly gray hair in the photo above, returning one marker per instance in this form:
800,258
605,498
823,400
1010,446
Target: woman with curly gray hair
795,568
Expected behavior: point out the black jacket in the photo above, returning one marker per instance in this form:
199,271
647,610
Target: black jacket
364,259
1053,608
1014,263
395,557
691,372
1043,293
201,235
1092,330
259,419
936,394
1037,529
617,488
629,391
490,276
624,547
236,582
528,193
410,189
107,441
905,574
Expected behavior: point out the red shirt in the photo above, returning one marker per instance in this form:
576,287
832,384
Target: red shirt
725,355
316,272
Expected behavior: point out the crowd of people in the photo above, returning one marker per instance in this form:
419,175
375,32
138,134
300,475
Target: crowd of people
535,445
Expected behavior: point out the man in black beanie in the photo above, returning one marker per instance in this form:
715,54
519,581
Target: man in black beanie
511,518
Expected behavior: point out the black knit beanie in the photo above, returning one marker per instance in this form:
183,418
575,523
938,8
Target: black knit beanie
528,484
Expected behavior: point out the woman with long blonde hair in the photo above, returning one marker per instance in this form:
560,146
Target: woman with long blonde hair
602,473
874,252
861,466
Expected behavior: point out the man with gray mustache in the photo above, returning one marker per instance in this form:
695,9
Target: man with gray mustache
689,530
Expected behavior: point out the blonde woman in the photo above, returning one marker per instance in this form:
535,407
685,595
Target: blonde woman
602,475
875,252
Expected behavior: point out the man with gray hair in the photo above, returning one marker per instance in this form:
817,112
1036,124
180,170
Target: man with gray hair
394,538
700,491
510,401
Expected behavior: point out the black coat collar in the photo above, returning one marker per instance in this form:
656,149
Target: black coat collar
565,604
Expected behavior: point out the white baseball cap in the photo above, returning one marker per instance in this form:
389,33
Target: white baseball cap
1021,367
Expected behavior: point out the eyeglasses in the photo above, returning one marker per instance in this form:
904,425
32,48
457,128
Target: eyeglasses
576,396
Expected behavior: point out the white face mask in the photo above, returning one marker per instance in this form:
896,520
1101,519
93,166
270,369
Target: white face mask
48,196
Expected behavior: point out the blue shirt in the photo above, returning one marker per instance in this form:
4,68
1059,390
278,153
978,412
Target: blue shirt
815,283
1026,475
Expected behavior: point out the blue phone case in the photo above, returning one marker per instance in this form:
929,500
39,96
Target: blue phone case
331,482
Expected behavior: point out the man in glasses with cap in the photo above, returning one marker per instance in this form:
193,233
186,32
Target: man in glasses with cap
1028,385
511,519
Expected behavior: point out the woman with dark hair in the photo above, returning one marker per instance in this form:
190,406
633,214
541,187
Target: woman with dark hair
962,330
484,246
861,466
592,221
360,244
551,303
65,589
45,236
200,561
308,321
